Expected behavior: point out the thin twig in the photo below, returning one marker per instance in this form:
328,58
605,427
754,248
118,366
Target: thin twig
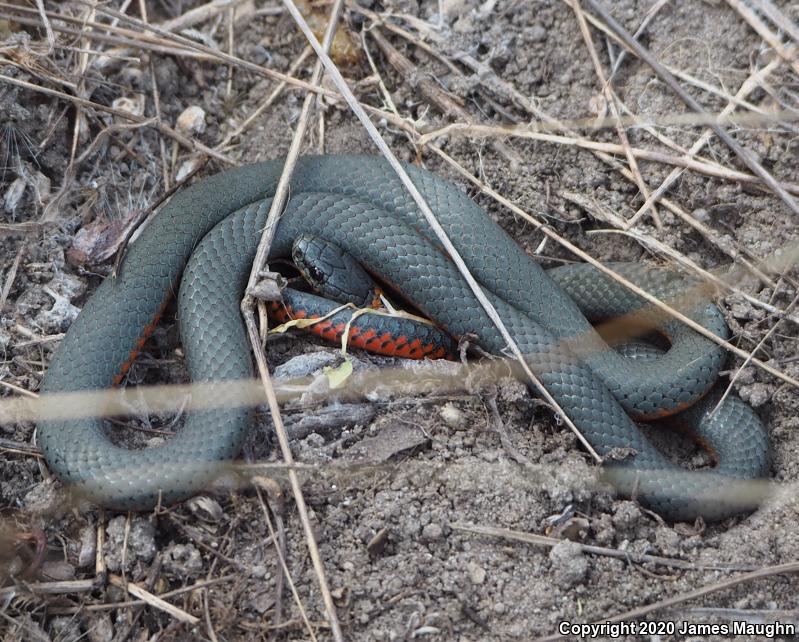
749,85
745,155
200,14
769,9
726,282
431,91
153,600
634,614
703,166
10,276
48,29
756,349
266,104
610,273
284,569
249,303
612,102
157,107
542,540
164,129
786,52
648,18
424,208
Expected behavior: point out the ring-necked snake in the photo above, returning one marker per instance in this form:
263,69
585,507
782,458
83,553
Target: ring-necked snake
342,280
208,233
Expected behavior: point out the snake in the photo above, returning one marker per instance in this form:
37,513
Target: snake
336,274
202,243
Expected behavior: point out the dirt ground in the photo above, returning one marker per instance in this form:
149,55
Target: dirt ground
396,480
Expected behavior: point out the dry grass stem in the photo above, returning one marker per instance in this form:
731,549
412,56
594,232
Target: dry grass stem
153,600
542,540
725,282
707,166
284,569
749,85
786,52
634,614
746,156
249,303
432,222
769,9
612,102
430,90
266,104
605,270
200,14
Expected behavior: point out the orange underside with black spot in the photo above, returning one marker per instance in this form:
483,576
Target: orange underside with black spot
360,336
363,335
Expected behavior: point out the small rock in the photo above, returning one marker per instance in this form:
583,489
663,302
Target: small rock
305,365
62,289
44,499
513,391
388,441
326,421
569,563
64,628
206,508
411,527
58,571
604,533
187,167
99,628
377,544
88,547
133,106
183,560
627,516
192,121
477,573
536,33
454,8
432,532
13,195
41,187
755,394
701,215
140,543
668,541
453,416
262,603
315,440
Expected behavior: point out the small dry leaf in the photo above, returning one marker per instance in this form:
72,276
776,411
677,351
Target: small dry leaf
97,242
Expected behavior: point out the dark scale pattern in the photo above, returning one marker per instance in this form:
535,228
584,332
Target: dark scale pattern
332,272
358,203
407,338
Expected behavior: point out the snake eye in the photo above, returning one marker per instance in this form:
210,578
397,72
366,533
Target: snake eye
317,275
